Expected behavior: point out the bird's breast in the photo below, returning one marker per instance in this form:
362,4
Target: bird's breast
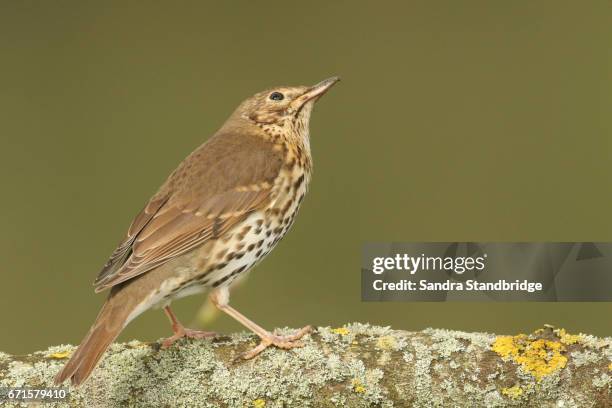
241,248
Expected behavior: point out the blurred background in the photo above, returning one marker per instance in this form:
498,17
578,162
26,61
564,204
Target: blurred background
483,121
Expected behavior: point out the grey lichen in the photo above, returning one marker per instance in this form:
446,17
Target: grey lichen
580,358
422,375
445,342
603,381
356,365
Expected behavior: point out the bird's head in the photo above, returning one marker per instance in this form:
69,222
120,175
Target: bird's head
284,106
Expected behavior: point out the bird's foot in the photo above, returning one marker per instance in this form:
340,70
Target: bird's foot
283,342
181,332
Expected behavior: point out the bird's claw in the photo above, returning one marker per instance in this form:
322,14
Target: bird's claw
189,333
283,342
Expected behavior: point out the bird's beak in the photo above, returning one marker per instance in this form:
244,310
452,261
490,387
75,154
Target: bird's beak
315,91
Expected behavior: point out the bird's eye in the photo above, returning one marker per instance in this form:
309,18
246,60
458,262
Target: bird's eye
277,96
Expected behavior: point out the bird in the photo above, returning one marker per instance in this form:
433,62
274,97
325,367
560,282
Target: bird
221,211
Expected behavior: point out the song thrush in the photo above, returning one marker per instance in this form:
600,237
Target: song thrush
221,211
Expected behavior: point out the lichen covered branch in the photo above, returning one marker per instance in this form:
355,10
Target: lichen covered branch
356,365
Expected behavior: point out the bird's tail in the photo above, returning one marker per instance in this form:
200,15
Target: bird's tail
110,322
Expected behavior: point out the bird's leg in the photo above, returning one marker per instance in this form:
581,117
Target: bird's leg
220,298
181,331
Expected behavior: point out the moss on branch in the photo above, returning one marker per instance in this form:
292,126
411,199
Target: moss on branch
356,365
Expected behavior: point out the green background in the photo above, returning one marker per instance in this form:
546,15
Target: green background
484,121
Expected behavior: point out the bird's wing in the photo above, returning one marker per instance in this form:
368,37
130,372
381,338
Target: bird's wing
217,186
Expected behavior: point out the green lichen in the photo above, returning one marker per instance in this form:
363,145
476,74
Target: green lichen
513,392
354,365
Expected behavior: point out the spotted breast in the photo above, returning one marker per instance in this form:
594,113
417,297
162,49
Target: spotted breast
236,251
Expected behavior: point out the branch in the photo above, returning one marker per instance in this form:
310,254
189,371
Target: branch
353,366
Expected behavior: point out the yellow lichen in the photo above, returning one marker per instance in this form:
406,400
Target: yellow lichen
259,403
513,392
538,357
358,387
343,331
505,346
567,338
610,366
60,355
386,343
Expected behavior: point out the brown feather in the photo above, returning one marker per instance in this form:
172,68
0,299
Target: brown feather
214,188
109,323
123,251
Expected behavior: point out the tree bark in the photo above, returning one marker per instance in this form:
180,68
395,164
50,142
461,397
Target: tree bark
357,365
